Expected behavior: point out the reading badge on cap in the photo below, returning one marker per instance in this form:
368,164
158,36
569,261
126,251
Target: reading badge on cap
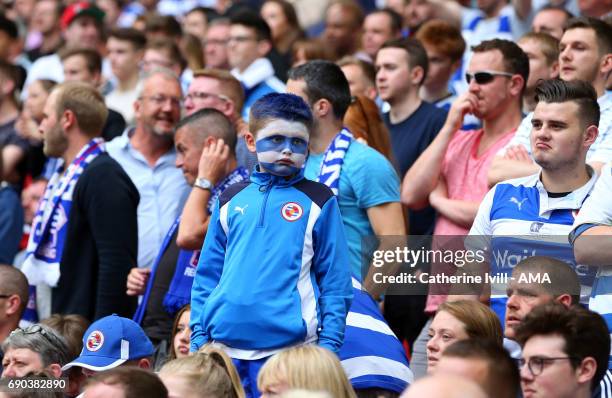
111,341
95,340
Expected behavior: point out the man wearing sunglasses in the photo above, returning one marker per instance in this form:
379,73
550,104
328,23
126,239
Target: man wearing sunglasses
450,175
565,352
585,53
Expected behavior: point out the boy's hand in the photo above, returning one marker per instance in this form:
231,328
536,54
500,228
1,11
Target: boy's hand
213,160
137,281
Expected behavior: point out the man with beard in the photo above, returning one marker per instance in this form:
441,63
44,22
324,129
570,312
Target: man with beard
146,152
83,239
204,142
585,53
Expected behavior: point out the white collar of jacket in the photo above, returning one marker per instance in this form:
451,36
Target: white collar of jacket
260,70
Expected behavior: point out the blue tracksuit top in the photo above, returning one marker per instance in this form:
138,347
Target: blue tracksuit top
274,267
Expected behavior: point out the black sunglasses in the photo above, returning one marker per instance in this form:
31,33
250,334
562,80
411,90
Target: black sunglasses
485,76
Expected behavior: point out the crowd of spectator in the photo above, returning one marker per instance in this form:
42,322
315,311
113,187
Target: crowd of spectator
192,193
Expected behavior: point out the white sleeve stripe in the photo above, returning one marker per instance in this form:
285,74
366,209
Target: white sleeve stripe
223,218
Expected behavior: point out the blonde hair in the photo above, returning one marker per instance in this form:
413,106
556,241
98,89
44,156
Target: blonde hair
229,367
306,367
480,322
207,374
85,102
305,394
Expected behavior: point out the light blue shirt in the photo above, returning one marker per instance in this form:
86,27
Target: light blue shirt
162,190
367,179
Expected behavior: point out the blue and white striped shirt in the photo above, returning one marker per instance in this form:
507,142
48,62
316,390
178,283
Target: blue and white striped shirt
517,219
371,355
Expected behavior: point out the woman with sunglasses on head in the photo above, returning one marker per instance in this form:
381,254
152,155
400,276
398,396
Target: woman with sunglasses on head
36,348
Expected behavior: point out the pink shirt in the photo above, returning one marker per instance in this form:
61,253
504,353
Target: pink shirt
466,173
466,179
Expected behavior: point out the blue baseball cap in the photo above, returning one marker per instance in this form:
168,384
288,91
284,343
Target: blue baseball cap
111,341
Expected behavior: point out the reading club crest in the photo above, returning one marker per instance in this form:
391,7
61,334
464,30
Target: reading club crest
95,340
292,211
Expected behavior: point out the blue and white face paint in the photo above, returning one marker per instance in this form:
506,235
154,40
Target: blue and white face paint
282,146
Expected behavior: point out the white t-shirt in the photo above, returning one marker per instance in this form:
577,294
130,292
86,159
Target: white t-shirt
123,102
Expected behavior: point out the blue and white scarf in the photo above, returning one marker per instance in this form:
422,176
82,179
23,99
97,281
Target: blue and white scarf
48,234
334,159
179,292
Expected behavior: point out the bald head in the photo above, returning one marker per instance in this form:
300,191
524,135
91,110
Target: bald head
13,284
444,386
563,278
208,122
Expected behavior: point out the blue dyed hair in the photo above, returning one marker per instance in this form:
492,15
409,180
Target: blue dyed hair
279,106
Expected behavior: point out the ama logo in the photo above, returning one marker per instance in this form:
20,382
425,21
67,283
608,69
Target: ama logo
292,211
95,340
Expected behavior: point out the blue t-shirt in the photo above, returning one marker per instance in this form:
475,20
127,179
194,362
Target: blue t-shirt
409,139
367,179
11,223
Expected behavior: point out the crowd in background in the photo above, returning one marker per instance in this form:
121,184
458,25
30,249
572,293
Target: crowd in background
151,244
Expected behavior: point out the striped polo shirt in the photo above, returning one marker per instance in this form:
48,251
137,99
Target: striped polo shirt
519,219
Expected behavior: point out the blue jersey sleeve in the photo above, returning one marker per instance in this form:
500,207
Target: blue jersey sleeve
333,275
11,225
208,274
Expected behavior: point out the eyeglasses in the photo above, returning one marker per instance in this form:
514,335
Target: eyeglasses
162,99
536,364
215,42
202,96
485,76
5,296
241,39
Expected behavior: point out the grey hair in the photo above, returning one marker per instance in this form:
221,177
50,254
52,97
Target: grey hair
50,346
167,73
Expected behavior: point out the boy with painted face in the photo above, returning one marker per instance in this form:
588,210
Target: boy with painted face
274,269
282,146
